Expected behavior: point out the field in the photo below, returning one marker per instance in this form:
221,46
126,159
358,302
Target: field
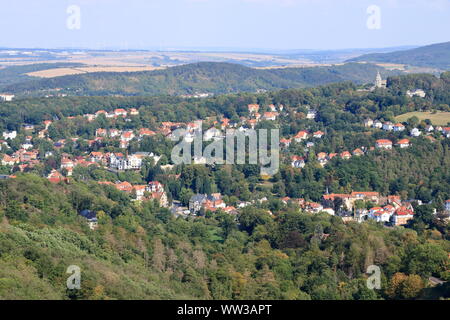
439,118
50,73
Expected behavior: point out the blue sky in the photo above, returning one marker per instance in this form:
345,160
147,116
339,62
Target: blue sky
245,24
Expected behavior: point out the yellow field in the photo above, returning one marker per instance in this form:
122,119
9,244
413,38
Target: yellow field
57,72
439,118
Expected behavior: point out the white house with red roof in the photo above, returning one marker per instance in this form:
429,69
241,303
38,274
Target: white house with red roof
298,162
398,127
300,136
383,144
270,116
253,108
318,134
120,112
402,216
403,143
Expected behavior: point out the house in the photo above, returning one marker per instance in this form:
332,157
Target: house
98,157
91,218
377,124
225,123
447,205
415,132
134,112
272,108
6,97
348,200
154,186
322,157
212,133
358,152
345,155
403,143
127,136
368,122
285,142
446,132
332,155
402,216
271,116
253,108
9,161
417,92
313,207
120,113
101,132
9,135
124,186
318,134
56,177
161,197
312,114
398,127
388,126
298,162
196,202
301,135
146,132
429,128
66,163
383,144
114,133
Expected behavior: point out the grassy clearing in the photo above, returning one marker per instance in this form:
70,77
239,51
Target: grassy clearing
439,118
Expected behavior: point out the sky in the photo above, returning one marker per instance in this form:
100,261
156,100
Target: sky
223,24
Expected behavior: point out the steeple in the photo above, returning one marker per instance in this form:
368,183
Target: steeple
378,81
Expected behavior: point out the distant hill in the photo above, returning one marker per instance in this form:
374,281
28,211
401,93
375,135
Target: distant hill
433,56
203,77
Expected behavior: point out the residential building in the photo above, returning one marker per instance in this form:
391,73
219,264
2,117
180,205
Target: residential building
300,136
417,92
10,135
415,132
403,143
383,144
398,127
6,97
368,122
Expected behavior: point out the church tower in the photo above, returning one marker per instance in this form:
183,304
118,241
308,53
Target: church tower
378,81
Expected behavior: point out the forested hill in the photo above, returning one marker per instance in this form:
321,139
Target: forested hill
434,56
204,77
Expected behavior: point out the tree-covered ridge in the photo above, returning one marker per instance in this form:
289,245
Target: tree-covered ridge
142,252
435,56
203,77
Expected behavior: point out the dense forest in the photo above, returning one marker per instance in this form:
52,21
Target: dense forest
270,249
145,253
204,77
